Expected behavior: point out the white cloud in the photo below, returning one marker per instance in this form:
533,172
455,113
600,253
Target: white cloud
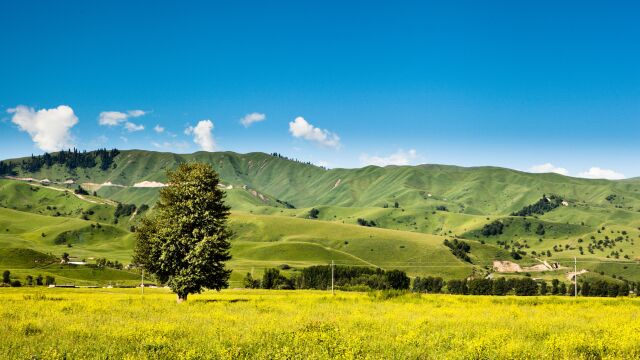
203,135
131,127
300,128
48,128
159,129
101,140
400,157
136,113
599,173
171,145
249,119
322,163
549,168
114,118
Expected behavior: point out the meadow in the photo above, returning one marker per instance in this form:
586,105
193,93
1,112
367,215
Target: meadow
261,324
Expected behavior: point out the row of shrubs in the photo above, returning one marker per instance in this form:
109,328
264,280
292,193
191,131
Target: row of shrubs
365,278
29,280
319,277
519,286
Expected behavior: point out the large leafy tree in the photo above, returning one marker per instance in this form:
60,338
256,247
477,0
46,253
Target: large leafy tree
185,241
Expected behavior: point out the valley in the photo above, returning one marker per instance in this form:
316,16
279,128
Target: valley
286,213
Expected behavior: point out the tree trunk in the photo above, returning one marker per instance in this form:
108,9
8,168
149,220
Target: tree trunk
182,298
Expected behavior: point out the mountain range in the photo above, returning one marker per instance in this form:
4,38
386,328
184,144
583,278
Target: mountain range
292,214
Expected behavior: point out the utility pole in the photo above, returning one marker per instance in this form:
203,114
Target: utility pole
575,277
142,284
332,292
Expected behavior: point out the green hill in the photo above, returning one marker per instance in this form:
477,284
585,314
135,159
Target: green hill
479,190
413,209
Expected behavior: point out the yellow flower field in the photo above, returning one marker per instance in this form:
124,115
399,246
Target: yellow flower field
239,324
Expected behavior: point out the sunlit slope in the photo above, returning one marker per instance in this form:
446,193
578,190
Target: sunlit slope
56,235
32,244
267,241
22,262
413,207
52,201
30,241
479,190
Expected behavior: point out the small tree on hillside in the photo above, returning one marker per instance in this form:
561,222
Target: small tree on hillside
6,277
185,243
313,213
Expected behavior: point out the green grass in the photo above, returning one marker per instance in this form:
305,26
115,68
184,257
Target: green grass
269,233
57,201
259,242
479,190
267,241
13,258
38,232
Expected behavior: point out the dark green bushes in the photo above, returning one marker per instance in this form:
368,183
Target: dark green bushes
459,248
313,213
542,206
124,210
493,229
319,277
604,289
365,222
430,284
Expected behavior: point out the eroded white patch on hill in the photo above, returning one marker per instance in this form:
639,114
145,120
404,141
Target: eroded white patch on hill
511,267
149,184
109,183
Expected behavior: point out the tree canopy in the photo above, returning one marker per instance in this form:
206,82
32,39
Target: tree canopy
185,241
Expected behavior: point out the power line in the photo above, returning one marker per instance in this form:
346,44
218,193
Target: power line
332,292
575,276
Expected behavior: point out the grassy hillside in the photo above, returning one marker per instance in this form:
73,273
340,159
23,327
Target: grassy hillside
56,235
269,241
480,190
412,210
32,241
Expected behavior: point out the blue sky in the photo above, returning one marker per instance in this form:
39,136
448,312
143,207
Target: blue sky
531,85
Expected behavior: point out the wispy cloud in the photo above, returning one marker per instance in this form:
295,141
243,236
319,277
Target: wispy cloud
599,173
115,118
166,145
300,128
254,117
593,172
548,168
400,157
50,129
131,127
159,129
